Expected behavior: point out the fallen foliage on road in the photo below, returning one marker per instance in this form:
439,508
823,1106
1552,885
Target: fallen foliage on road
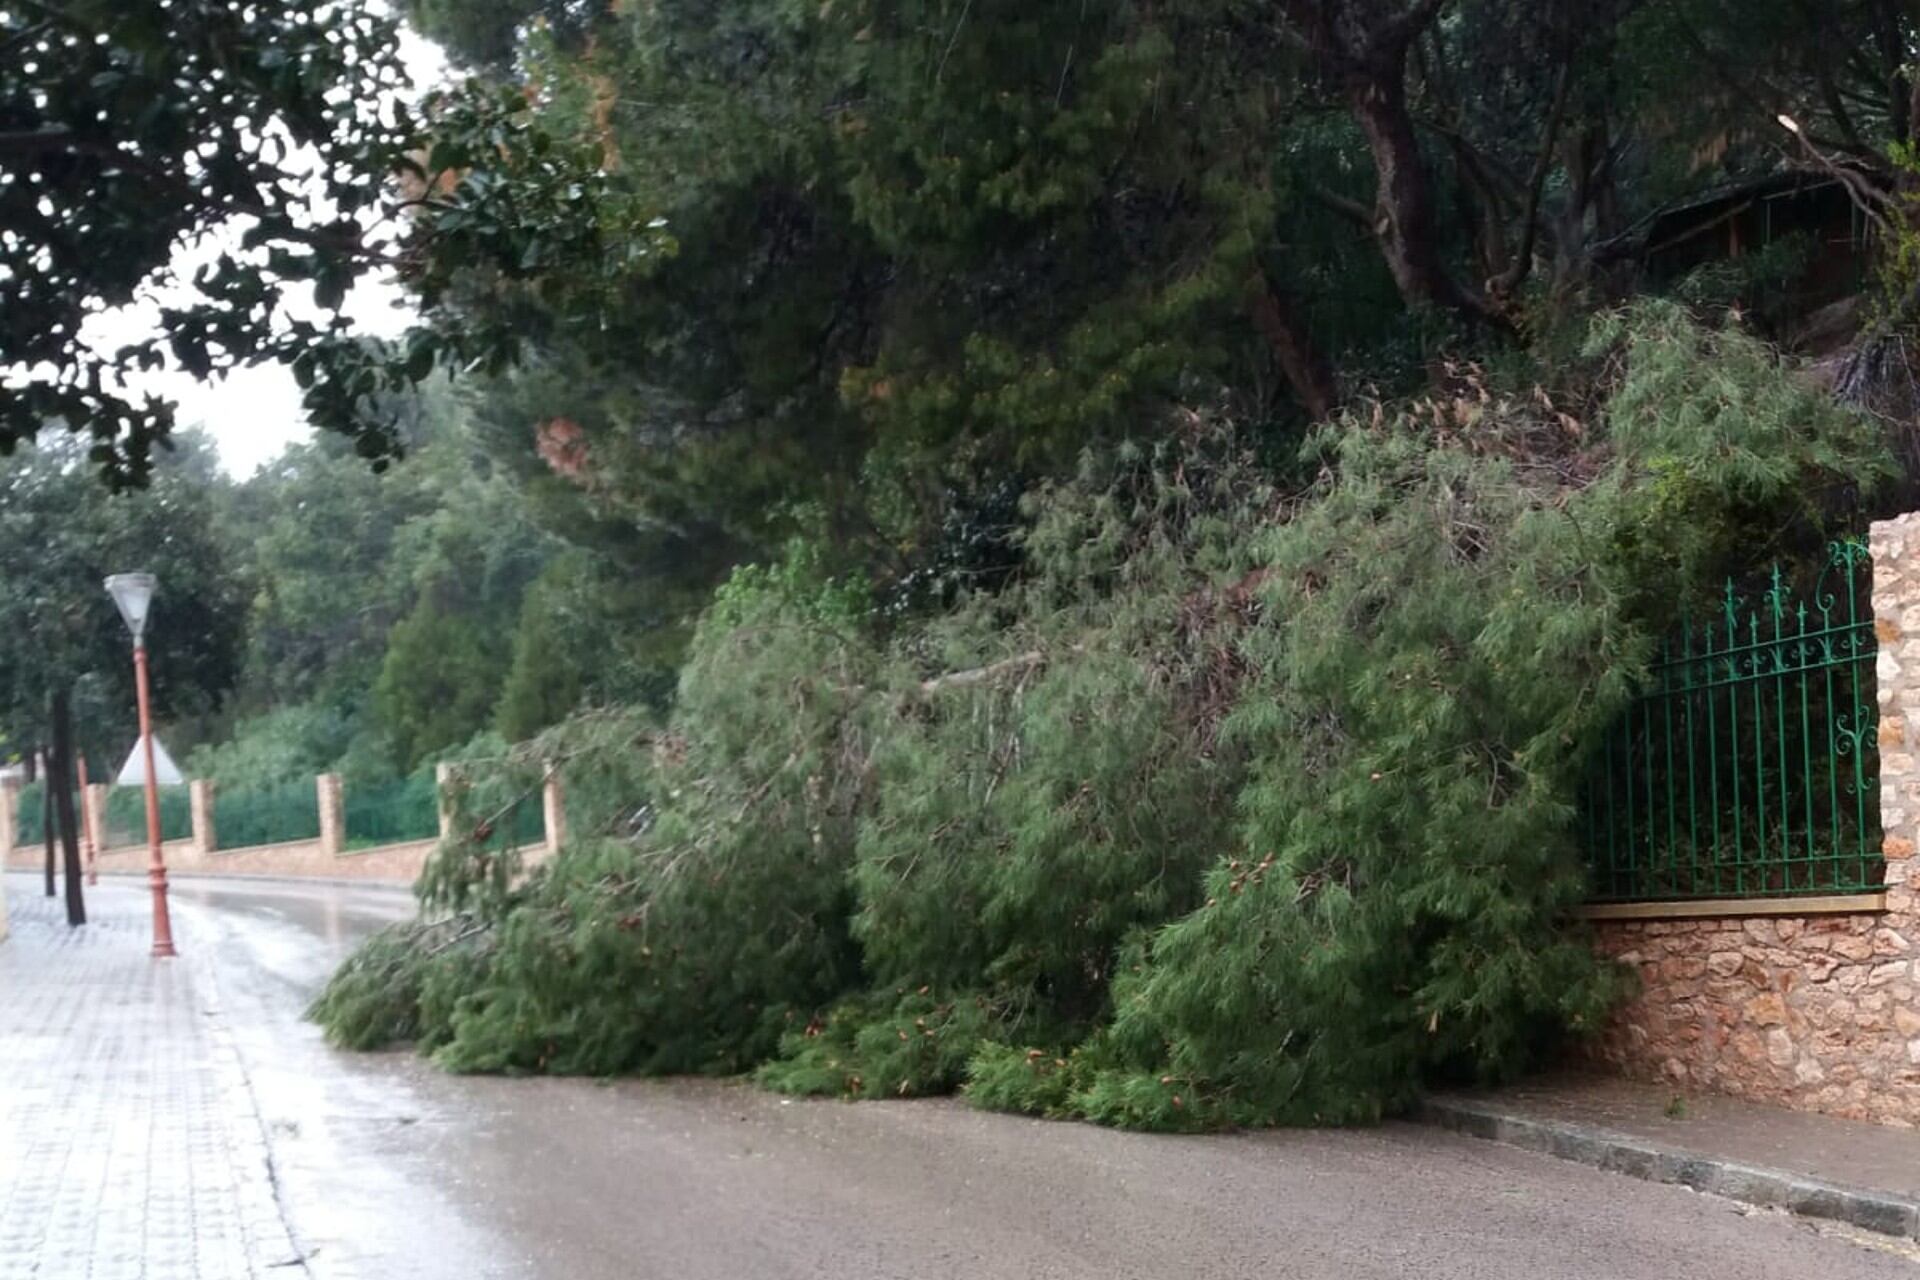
1249,801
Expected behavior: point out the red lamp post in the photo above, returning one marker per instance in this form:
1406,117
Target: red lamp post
133,593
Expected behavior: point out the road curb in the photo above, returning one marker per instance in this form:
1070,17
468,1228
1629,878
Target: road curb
1883,1211
269,877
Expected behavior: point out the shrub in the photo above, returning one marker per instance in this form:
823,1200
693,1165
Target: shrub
1236,806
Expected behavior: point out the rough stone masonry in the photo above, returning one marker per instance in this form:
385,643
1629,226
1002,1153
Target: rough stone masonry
1819,1011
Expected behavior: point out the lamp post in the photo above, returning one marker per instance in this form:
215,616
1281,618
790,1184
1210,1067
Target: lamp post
132,593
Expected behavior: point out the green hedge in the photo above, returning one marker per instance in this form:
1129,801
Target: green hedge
126,817
391,812
266,815
29,825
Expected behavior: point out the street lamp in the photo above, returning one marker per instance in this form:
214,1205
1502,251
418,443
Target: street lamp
132,593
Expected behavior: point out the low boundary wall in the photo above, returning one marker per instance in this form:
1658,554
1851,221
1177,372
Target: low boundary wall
325,857
1810,1003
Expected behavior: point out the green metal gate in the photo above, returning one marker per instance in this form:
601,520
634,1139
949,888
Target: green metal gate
1749,766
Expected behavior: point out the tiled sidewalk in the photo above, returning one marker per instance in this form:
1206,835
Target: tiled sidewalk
130,1145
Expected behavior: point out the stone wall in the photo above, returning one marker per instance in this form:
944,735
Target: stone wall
1816,1012
1818,1009
399,863
322,858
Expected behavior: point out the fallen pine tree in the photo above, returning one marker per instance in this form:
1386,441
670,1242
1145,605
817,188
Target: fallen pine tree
1244,804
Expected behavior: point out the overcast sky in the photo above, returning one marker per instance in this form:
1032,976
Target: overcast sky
255,413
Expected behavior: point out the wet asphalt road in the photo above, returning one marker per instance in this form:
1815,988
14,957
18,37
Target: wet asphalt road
384,1167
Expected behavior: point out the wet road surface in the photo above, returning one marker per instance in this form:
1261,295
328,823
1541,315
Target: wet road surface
209,1132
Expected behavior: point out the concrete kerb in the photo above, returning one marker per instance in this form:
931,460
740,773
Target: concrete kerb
1885,1212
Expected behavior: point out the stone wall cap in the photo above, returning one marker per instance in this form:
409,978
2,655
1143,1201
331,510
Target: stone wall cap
1854,904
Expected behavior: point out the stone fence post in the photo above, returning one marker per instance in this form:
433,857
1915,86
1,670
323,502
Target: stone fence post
1895,547
553,811
442,783
93,814
200,803
333,824
9,818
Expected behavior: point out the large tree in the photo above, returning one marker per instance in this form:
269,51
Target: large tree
926,245
65,643
918,247
130,131
239,168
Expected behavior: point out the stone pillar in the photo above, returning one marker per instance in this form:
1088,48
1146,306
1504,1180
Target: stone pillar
93,802
333,817
9,819
200,800
1895,547
553,811
442,786
9,832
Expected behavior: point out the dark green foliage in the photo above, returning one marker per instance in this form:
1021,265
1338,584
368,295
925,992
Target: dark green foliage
244,816
438,682
382,628
111,114
1237,807
703,904
286,746
1454,620
30,814
401,985
874,1047
386,813
66,534
589,635
324,543
1062,785
126,816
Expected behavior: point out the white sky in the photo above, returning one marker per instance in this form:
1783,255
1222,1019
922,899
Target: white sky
255,413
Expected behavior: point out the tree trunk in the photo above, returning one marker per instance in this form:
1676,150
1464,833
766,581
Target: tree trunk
46,825
1306,370
1376,92
60,785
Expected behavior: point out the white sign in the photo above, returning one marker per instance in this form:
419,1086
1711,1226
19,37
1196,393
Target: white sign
134,772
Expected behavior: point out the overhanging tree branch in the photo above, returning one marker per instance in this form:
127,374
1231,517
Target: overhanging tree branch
1522,261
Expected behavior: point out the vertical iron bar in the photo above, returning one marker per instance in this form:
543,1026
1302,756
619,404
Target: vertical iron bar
1713,757
1693,780
1626,769
1778,607
1733,752
1650,750
1832,856
1592,845
1806,749
1854,718
1759,753
1613,854
1673,810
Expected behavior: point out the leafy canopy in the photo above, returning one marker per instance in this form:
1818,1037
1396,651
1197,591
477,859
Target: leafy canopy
1242,804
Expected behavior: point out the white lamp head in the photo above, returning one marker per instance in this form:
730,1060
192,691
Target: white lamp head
133,593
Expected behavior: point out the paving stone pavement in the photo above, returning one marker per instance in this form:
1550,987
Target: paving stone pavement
131,1144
